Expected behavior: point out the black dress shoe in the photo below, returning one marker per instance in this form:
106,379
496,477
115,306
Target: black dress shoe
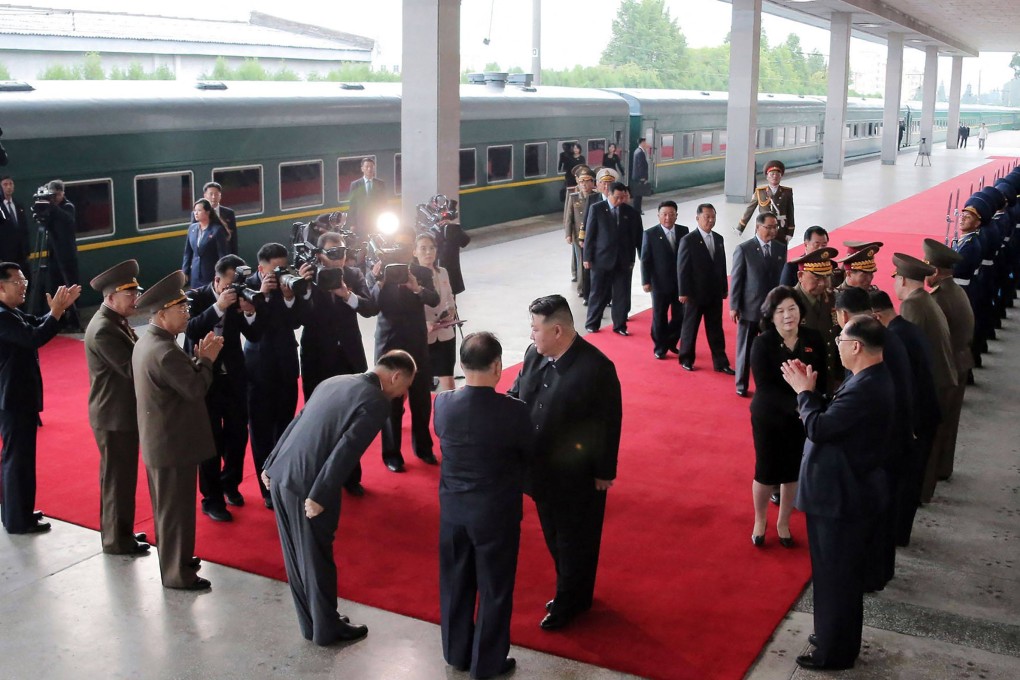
355,489
346,632
812,639
234,498
555,620
218,514
37,528
786,542
37,515
549,604
726,369
268,502
139,549
808,661
429,459
509,664
741,392
621,331
774,498
687,365
140,537
660,355
198,584
584,302
591,329
394,464
674,350
195,562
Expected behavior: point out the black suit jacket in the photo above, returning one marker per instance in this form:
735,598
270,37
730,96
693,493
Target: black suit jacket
926,404
610,244
14,246
61,233
753,276
331,326
487,443
21,336
576,409
273,356
848,441
204,320
700,277
659,259
401,322
364,207
454,238
228,218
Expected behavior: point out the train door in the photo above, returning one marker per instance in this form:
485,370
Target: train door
649,134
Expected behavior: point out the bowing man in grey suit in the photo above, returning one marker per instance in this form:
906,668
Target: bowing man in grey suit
757,265
305,473
487,443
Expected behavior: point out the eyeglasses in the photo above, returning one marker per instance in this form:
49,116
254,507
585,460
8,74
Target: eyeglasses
840,338
19,282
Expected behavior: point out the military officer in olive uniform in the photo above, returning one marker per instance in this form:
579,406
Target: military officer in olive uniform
575,209
813,273
173,424
773,198
109,342
858,266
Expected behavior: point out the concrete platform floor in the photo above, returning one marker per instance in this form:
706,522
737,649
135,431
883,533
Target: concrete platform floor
67,611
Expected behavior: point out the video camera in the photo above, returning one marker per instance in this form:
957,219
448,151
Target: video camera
42,204
305,253
433,216
239,286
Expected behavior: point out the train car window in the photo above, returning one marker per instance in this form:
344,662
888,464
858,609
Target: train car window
164,200
766,138
720,146
242,188
468,176
666,147
596,152
93,202
347,170
398,174
564,153
802,134
704,143
301,185
848,131
688,145
536,159
812,134
780,137
791,136
499,163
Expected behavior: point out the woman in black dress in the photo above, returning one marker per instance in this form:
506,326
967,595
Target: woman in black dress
612,160
775,421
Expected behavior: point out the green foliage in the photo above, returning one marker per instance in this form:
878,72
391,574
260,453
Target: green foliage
355,73
136,72
646,37
92,69
5,74
1014,64
250,69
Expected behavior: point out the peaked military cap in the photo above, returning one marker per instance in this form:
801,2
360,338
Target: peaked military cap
861,260
909,267
163,295
979,207
119,277
582,171
775,165
855,246
938,254
994,198
817,261
1007,190
607,173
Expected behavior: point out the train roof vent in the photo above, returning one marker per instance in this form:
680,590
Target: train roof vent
771,95
476,78
351,86
210,85
15,86
522,79
529,89
495,80
705,93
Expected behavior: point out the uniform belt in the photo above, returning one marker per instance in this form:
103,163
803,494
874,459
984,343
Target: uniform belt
962,283
986,263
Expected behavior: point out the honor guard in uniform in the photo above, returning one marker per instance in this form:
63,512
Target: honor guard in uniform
109,342
967,272
814,270
773,198
575,209
858,266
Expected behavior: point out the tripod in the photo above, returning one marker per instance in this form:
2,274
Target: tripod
40,264
923,153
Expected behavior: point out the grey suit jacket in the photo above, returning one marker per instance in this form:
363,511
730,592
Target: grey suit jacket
108,347
752,276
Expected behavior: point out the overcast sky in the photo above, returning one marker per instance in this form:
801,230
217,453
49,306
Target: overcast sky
570,35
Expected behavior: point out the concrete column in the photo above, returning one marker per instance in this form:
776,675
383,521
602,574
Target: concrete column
955,87
430,102
742,107
536,41
835,105
893,94
928,92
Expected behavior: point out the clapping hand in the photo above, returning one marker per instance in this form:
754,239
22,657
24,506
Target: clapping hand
800,377
62,299
209,347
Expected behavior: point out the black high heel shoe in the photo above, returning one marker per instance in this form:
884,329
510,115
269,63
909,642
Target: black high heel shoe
758,541
786,542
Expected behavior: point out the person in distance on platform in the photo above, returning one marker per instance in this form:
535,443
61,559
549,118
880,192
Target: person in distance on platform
701,288
842,485
658,277
62,246
612,241
213,192
775,423
487,444
173,424
442,337
639,172
304,474
204,246
575,208
218,309
612,160
757,264
773,198
982,135
21,394
857,267
814,273
14,244
368,198
570,158
577,441
113,414
815,237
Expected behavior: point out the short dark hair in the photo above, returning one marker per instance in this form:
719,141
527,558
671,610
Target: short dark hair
811,231
667,204
367,159
762,216
552,307
867,330
880,300
211,185
271,251
3,177
641,139
6,268
55,185
399,361
776,297
479,351
424,235
702,207
618,186
228,262
327,236
853,300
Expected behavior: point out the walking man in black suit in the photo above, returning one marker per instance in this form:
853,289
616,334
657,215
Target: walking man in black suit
487,443
639,172
368,197
757,264
577,439
213,192
612,241
304,474
658,277
701,287
14,244
842,485
21,394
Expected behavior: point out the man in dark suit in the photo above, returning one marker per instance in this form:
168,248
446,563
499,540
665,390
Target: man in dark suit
21,394
701,287
271,361
14,245
658,277
577,440
62,246
109,342
173,424
639,172
487,443
331,341
218,309
367,200
757,264
304,474
612,241
815,237
213,192
842,485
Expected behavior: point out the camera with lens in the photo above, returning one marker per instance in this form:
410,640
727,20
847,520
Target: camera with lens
327,278
42,204
433,216
254,297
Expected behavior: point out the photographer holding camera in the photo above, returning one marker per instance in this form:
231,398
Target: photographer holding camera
272,360
331,341
227,308
52,210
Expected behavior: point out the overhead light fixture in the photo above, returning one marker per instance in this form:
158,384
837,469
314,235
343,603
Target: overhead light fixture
868,25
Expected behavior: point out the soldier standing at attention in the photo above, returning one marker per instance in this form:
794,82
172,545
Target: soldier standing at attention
773,198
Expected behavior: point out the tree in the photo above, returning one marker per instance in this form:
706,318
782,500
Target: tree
5,74
940,96
646,36
1014,64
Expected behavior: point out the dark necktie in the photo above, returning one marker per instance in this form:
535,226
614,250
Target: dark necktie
11,212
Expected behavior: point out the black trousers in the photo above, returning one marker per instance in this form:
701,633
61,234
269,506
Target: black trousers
419,399
667,321
271,406
747,331
712,313
606,285
313,374
837,574
308,557
477,564
227,404
18,430
572,527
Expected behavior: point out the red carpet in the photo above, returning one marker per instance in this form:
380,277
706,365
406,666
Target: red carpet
681,592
